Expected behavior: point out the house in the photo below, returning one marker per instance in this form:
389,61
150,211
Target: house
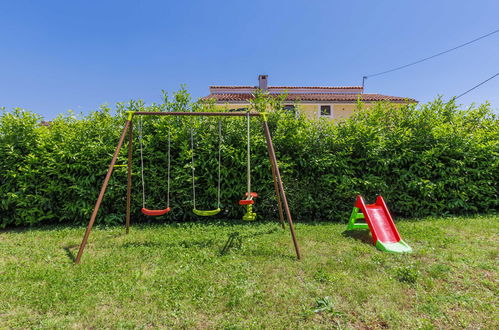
333,102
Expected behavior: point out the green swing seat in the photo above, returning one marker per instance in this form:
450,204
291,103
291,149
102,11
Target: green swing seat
206,213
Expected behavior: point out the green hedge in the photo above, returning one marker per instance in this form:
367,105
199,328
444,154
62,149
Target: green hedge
425,160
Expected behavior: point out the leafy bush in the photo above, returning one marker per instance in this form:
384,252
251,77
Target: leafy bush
431,159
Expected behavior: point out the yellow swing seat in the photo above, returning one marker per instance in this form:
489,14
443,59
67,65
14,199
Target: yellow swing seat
206,213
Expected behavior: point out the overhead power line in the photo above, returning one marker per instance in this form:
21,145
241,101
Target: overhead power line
476,86
430,57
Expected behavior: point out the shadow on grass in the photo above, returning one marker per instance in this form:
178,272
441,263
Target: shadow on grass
360,235
185,244
69,252
68,249
235,240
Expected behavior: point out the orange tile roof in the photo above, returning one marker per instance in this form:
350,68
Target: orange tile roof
289,87
308,97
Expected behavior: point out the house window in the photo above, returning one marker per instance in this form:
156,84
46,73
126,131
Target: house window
325,110
289,109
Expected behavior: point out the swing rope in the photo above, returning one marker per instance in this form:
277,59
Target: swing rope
248,159
219,159
169,166
249,200
144,210
142,164
193,170
217,210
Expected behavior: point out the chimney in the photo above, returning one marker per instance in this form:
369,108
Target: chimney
262,82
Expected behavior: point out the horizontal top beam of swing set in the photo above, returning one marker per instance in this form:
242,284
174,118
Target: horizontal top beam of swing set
227,114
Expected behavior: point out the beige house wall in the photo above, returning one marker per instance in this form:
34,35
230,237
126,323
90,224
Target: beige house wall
342,111
310,110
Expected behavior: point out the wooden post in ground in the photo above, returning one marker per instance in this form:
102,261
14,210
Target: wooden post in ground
273,161
102,191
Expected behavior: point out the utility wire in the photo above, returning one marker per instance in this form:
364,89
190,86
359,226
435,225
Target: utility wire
430,57
480,84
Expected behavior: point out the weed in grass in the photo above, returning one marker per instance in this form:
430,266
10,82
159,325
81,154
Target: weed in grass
323,305
323,276
407,274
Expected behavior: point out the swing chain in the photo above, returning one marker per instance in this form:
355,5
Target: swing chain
142,163
169,166
219,158
192,166
248,157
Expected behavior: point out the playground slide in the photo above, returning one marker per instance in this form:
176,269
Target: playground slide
383,230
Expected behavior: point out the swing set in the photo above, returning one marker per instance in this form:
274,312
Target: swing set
248,198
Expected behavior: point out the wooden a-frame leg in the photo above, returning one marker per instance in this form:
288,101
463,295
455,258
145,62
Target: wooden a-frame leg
102,191
277,194
129,178
273,161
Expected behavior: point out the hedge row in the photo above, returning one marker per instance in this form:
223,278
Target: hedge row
430,159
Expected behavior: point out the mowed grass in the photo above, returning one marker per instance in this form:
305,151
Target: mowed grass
180,275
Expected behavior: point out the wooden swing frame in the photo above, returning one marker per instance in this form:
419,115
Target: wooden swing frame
128,128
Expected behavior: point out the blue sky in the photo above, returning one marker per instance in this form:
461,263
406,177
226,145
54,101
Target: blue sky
60,55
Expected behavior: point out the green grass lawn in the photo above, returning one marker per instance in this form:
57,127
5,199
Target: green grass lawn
180,275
